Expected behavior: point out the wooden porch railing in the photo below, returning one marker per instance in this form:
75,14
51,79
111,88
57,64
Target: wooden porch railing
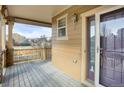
2,54
21,55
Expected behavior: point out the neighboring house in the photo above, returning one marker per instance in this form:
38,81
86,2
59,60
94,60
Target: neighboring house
41,42
18,38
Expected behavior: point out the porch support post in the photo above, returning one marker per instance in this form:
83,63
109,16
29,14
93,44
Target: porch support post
2,43
3,39
9,55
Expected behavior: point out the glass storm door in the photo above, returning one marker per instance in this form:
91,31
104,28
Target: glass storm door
112,48
91,47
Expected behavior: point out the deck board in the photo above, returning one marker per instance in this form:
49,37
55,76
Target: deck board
11,77
44,76
21,78
37,74
29,74
26,80
15,76
40,76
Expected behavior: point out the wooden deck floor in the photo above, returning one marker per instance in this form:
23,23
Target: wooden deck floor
37,74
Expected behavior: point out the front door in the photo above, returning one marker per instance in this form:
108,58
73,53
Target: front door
91,47
112,48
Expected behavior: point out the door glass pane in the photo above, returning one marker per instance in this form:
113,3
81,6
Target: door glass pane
91,47
112,44
92,44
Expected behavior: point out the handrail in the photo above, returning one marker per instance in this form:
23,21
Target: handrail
31,48
29,54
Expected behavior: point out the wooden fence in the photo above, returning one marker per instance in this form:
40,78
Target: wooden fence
21,55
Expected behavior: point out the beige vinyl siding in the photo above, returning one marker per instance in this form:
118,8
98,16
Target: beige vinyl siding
64,52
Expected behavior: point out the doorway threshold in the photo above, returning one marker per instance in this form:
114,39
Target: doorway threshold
88,83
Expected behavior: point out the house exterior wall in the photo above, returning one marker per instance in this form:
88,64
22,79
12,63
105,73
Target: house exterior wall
65,52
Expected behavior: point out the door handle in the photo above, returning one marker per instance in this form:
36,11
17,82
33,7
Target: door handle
101,57
101,51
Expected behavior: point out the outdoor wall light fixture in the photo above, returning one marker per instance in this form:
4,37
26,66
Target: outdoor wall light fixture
74,18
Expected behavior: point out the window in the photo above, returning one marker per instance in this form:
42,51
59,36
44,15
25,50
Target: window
62,28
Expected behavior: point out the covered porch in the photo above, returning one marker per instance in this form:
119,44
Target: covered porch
81,46
31,69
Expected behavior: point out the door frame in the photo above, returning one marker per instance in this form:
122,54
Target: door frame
97,12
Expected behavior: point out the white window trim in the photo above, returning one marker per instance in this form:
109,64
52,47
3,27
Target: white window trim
64,37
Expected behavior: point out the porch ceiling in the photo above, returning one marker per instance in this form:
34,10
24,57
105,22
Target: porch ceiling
38,13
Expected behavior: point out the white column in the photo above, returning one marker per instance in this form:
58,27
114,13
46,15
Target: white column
3,33
3,39
9,54
10,29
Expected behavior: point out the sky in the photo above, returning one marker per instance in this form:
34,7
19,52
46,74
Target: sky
31,31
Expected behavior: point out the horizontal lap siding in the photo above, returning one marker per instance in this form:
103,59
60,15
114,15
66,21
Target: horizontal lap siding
65,51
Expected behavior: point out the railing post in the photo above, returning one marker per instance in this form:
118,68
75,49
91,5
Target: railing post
1,67
2,64
9,57
44,53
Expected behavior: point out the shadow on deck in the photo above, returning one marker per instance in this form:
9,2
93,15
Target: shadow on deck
37,74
